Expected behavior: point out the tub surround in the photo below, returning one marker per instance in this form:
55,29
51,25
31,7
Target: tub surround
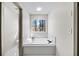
39,47
39,50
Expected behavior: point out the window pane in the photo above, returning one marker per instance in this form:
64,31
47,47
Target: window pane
39,23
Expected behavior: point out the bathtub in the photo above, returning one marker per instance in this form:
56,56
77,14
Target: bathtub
39,47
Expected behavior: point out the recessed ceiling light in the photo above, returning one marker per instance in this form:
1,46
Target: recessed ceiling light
39,9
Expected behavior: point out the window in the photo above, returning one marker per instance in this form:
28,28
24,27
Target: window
39,23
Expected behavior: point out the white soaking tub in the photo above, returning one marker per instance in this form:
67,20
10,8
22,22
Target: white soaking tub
39,47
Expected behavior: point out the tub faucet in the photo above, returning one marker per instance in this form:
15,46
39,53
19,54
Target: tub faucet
49,41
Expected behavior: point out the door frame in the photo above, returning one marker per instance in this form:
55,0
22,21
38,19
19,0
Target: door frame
77,28
20,28
0,29
20,33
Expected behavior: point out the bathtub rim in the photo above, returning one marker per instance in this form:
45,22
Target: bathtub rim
39,45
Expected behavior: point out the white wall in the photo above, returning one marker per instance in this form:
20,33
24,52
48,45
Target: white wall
59,24
26,25
9,29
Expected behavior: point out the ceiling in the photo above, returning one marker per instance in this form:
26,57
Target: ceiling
47,7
